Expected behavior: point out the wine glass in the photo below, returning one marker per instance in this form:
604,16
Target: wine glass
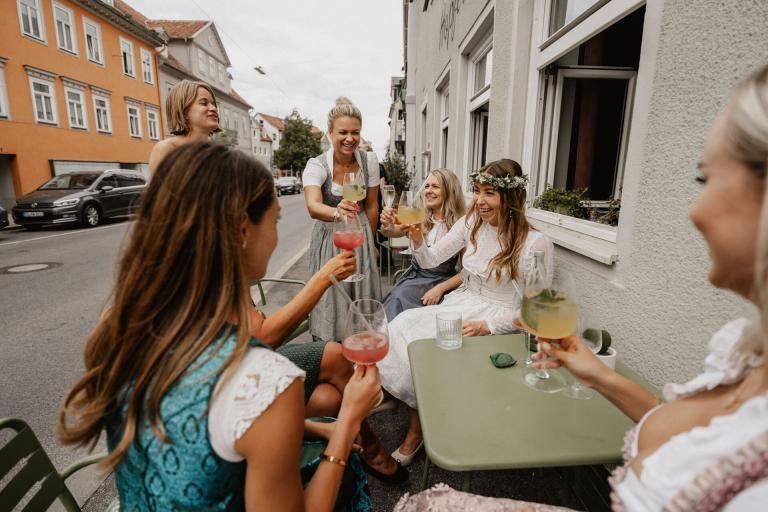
592,339
348,235
548,310
353,188
411,209
388,195
365,333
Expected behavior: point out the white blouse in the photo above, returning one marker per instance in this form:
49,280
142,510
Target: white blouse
475,273
315,174
259,379
678,461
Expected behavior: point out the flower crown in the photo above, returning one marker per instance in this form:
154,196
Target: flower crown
504,182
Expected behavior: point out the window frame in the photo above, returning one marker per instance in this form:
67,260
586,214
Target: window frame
43,38
96,109
443,119
131,133
212,68
72,28
202,62
143,52
52,92
222,73
80,93
5,105
154,113
591,239
100,47
132,72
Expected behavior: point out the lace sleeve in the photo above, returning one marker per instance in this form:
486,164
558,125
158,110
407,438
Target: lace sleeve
503,324
445,248
259,379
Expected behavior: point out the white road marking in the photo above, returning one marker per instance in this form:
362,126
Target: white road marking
87,230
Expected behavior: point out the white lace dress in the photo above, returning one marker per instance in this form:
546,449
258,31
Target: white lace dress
479,297
259,379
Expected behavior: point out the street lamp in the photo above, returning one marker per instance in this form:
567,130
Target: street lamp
259,70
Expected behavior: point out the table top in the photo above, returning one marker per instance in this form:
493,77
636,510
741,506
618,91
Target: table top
476,417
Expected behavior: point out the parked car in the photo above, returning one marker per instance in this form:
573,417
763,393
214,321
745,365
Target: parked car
288,185
3,217
85,197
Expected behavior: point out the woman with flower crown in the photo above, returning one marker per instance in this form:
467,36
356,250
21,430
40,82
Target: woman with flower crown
500,247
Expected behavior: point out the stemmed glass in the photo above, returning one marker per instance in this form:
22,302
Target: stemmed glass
388,196
348,235
593,340
365,333
411,209
548,311
353,188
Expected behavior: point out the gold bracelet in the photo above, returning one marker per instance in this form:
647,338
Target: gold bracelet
335,460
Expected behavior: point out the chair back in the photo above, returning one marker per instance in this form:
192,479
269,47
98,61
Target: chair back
25,451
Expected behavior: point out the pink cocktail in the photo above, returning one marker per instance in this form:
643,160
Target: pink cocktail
365,347
349,240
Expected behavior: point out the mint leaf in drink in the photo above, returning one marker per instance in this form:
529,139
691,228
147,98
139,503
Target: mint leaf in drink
549,295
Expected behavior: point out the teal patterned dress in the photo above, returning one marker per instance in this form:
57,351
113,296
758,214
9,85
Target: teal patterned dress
185,473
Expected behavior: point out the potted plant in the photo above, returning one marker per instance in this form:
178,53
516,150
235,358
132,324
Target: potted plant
564,202
607,354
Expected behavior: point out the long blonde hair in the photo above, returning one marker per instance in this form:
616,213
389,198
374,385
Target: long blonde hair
747,140
179,99
182,279
513,226
453,199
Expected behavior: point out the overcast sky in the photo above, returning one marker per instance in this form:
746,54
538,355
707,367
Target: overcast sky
313,50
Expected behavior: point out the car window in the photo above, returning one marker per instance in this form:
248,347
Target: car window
129,180
110,181
70,181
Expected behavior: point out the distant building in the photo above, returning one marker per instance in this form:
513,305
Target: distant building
195,52
78,90
397,116
262,142
274,126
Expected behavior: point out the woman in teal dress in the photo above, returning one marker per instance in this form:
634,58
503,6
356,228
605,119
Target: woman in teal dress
199,413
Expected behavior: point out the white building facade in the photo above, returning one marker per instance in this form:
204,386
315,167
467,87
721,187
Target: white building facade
615,96
262,143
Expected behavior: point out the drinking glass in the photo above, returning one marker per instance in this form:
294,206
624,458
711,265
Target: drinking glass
348,235
548,311
448,333
365,334
594,342
388,195
411,210
353,188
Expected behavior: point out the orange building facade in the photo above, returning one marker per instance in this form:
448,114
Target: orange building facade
78,91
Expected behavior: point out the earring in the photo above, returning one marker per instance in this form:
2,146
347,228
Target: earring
245,243
511,213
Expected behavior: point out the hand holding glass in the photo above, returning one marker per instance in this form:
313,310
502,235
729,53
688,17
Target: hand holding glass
348,235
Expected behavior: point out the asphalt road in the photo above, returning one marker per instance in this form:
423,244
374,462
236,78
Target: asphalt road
46,315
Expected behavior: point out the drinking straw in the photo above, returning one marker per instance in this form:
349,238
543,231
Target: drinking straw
352,304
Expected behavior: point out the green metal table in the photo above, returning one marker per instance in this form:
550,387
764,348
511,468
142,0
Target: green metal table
478,417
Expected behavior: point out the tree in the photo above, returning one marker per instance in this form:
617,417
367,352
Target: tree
297,143
396,171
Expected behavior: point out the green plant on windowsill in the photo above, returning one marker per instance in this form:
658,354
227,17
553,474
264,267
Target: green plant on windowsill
607,215
564,202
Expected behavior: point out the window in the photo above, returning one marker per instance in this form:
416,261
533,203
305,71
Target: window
31,19
129,180
65,28
76,108
152,125
147,71
444,97
126,56
563,12
481,67
134,125
201,61
103,117
222,74
4,107
586,98
212,67
44,101
92,32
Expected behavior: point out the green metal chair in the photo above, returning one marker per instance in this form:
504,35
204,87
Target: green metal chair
304,325
24,449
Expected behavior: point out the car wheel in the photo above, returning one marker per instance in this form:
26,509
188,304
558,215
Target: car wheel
91,216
